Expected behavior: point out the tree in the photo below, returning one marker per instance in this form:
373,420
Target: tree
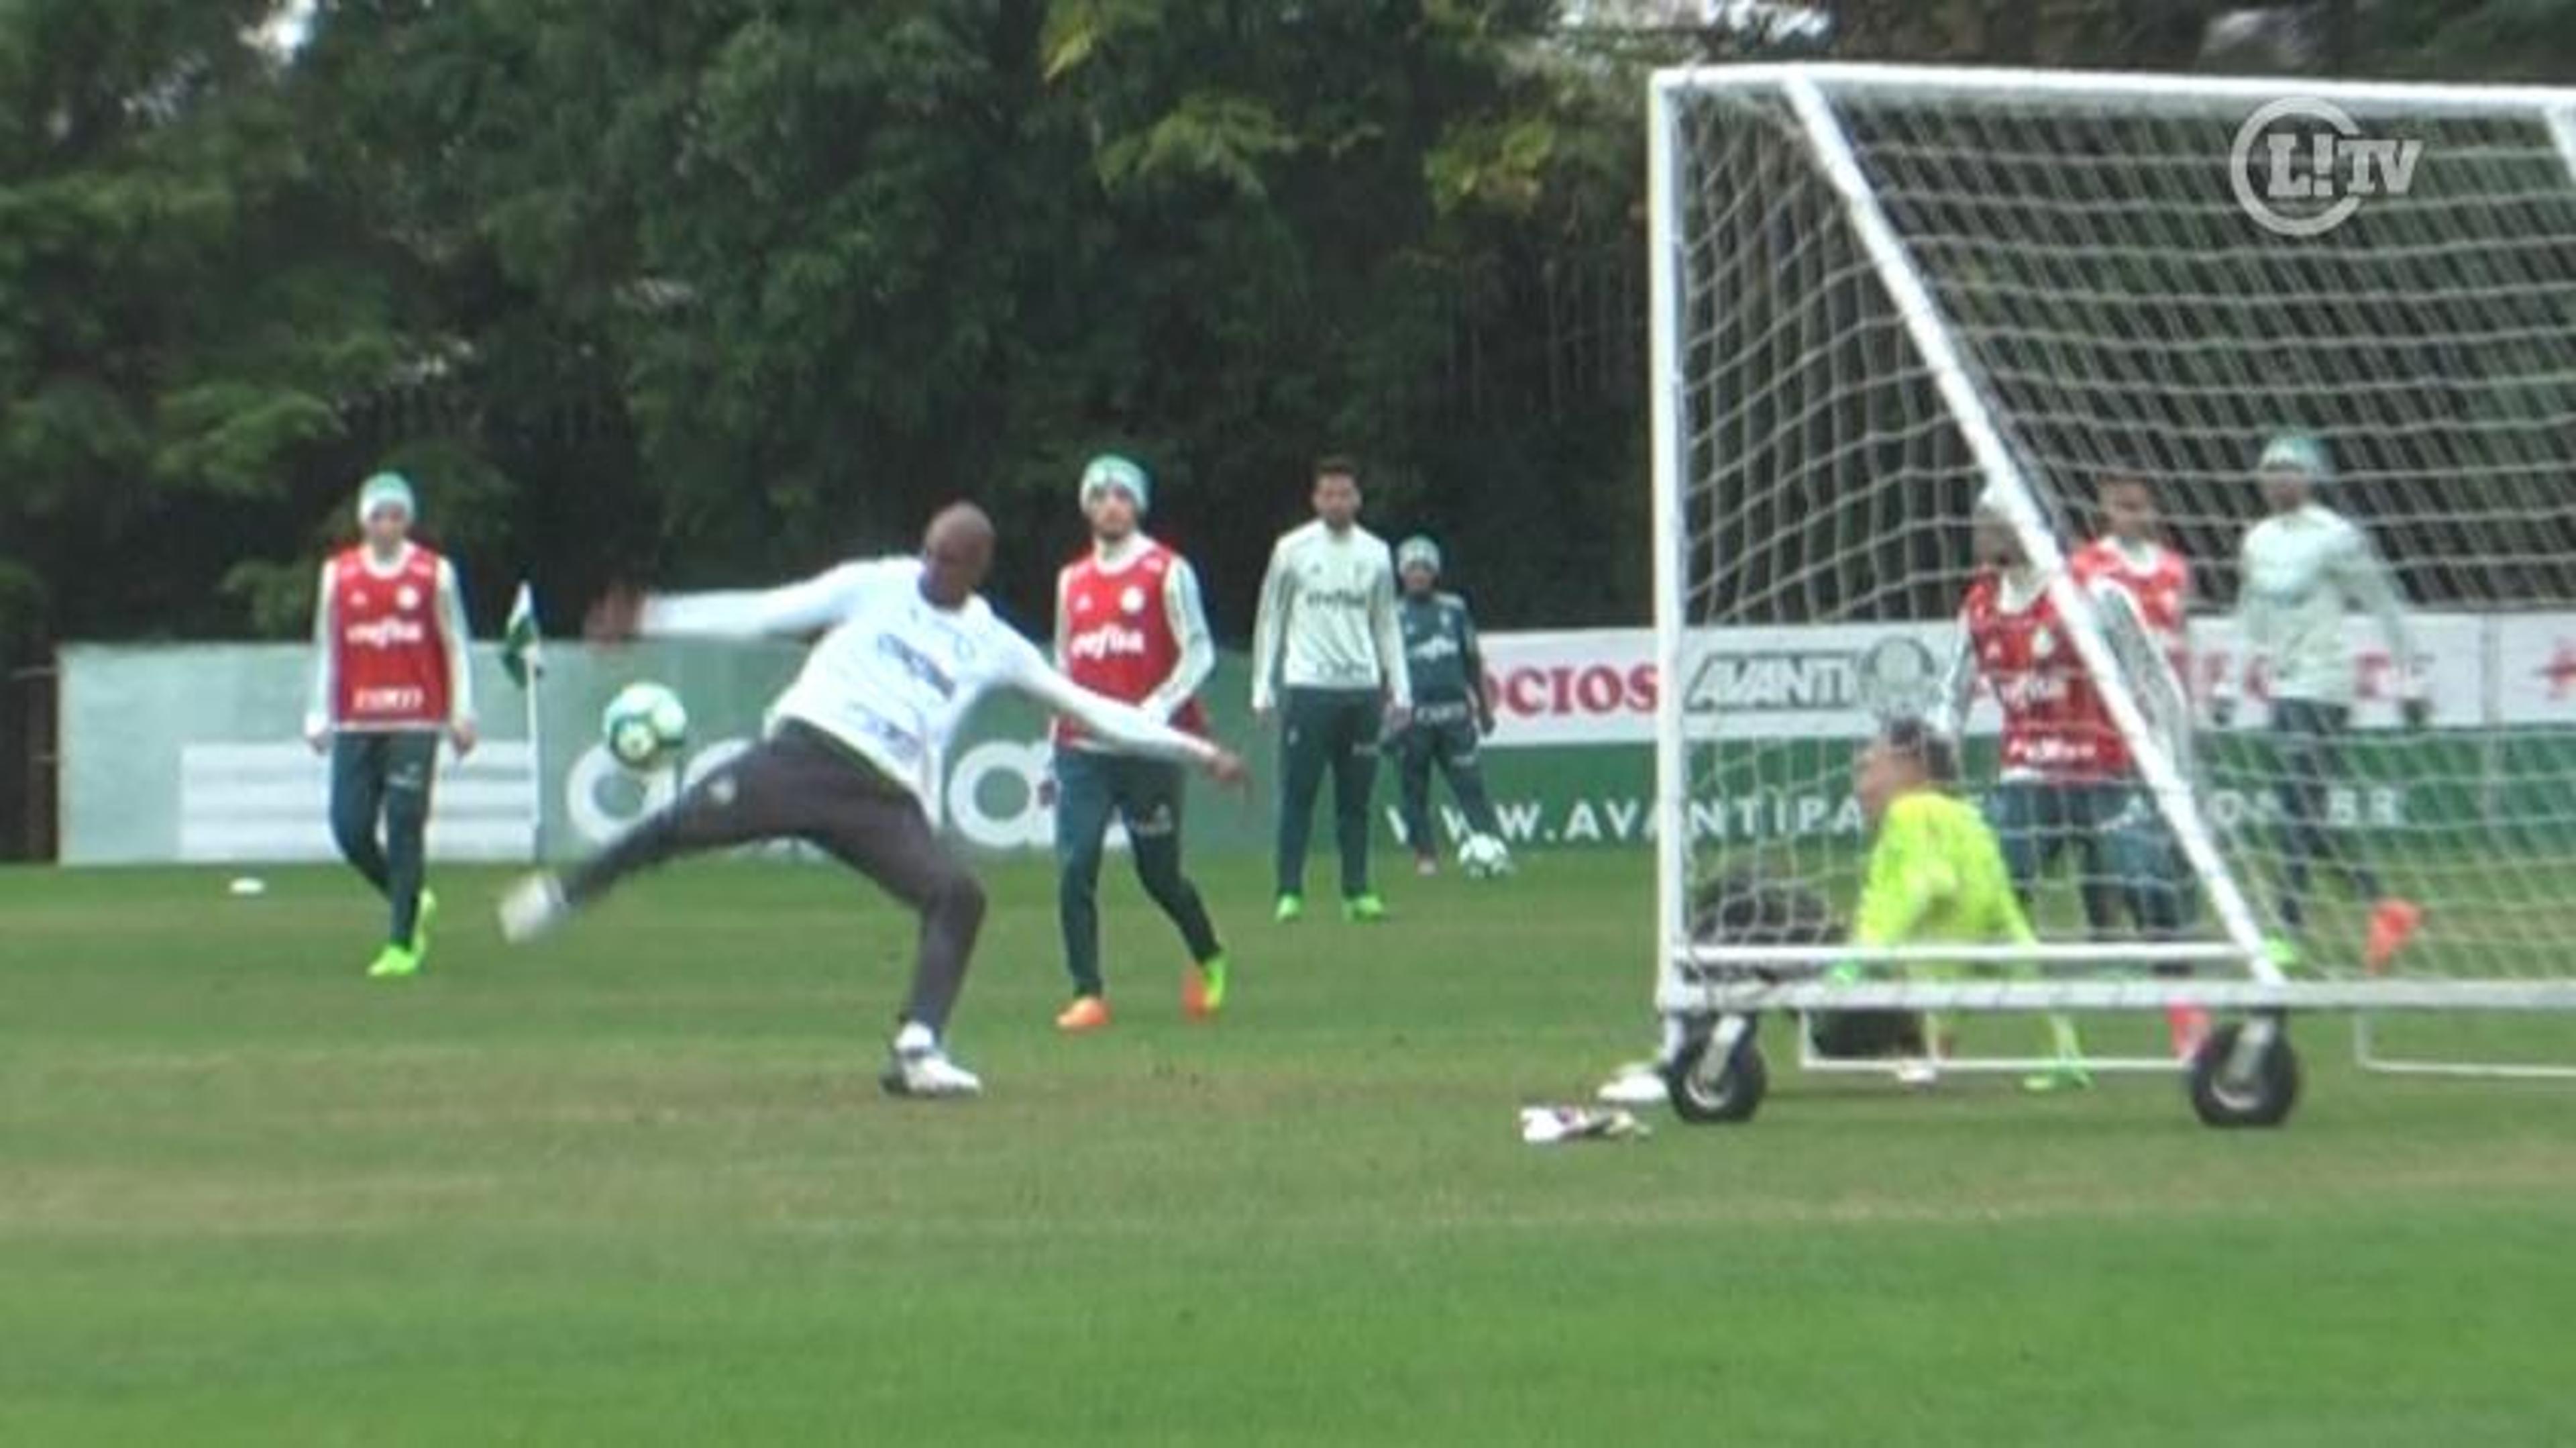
182,303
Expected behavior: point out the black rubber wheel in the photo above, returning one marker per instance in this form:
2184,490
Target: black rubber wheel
1705,1090
2262,1099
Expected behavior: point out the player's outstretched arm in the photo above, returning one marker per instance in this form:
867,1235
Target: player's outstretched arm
1123,726
806,607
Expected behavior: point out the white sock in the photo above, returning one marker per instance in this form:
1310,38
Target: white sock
915,1038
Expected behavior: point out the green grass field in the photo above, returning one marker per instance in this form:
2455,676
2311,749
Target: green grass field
636,1185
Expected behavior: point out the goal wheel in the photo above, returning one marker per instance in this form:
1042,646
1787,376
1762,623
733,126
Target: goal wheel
2262,1096
1706,1085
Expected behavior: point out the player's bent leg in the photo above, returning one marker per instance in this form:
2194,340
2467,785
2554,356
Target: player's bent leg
952,915
1082,805
2334,845
411,779
1414,750
2393,920
767,792
357,803
411,760
2300,749
1464,764
1150,801
779,788
2152,877
877,828
952,907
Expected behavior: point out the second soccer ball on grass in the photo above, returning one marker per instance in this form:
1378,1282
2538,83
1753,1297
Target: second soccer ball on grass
1484,857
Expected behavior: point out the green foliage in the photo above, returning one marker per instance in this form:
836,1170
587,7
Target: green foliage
716,289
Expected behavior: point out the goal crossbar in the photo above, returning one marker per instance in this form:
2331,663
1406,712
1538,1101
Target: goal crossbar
2195,91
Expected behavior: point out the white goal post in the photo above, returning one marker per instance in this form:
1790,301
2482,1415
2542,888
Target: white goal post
1883,297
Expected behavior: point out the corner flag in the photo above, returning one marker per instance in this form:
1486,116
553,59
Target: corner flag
522,651
523,658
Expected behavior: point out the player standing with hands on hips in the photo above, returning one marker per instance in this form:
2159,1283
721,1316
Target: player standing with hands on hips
1128,625
2303,568
852,751
1328,655
390,675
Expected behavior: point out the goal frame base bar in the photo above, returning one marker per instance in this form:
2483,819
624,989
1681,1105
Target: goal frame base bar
2367,1055
1809,1061
1738,958
1753,997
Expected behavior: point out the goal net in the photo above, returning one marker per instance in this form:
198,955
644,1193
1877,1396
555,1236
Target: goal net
1893,302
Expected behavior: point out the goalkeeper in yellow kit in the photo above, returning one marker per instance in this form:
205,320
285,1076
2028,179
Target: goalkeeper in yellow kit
1936,876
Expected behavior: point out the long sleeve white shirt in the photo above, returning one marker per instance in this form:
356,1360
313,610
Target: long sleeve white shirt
2303,570
894,675
1328,617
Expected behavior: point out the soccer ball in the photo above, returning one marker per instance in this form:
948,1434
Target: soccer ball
644,726
1483,857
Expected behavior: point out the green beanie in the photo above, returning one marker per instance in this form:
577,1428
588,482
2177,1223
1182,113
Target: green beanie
383,489
2297,452
1109,470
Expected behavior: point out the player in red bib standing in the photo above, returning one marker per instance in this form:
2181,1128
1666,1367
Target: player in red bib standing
390,676
1128,624
2065,777
2157,582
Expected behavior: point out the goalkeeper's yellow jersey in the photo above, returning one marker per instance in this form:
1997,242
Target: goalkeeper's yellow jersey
1937,876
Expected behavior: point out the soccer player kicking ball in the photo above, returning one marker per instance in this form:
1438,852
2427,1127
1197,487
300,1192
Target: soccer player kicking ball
2155,581
390,676
1327,637
2304,566
1128,626
907,648
1453,707
1936,875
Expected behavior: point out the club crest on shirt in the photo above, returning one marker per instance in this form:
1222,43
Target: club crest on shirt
406,598
2042,643
1132,599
